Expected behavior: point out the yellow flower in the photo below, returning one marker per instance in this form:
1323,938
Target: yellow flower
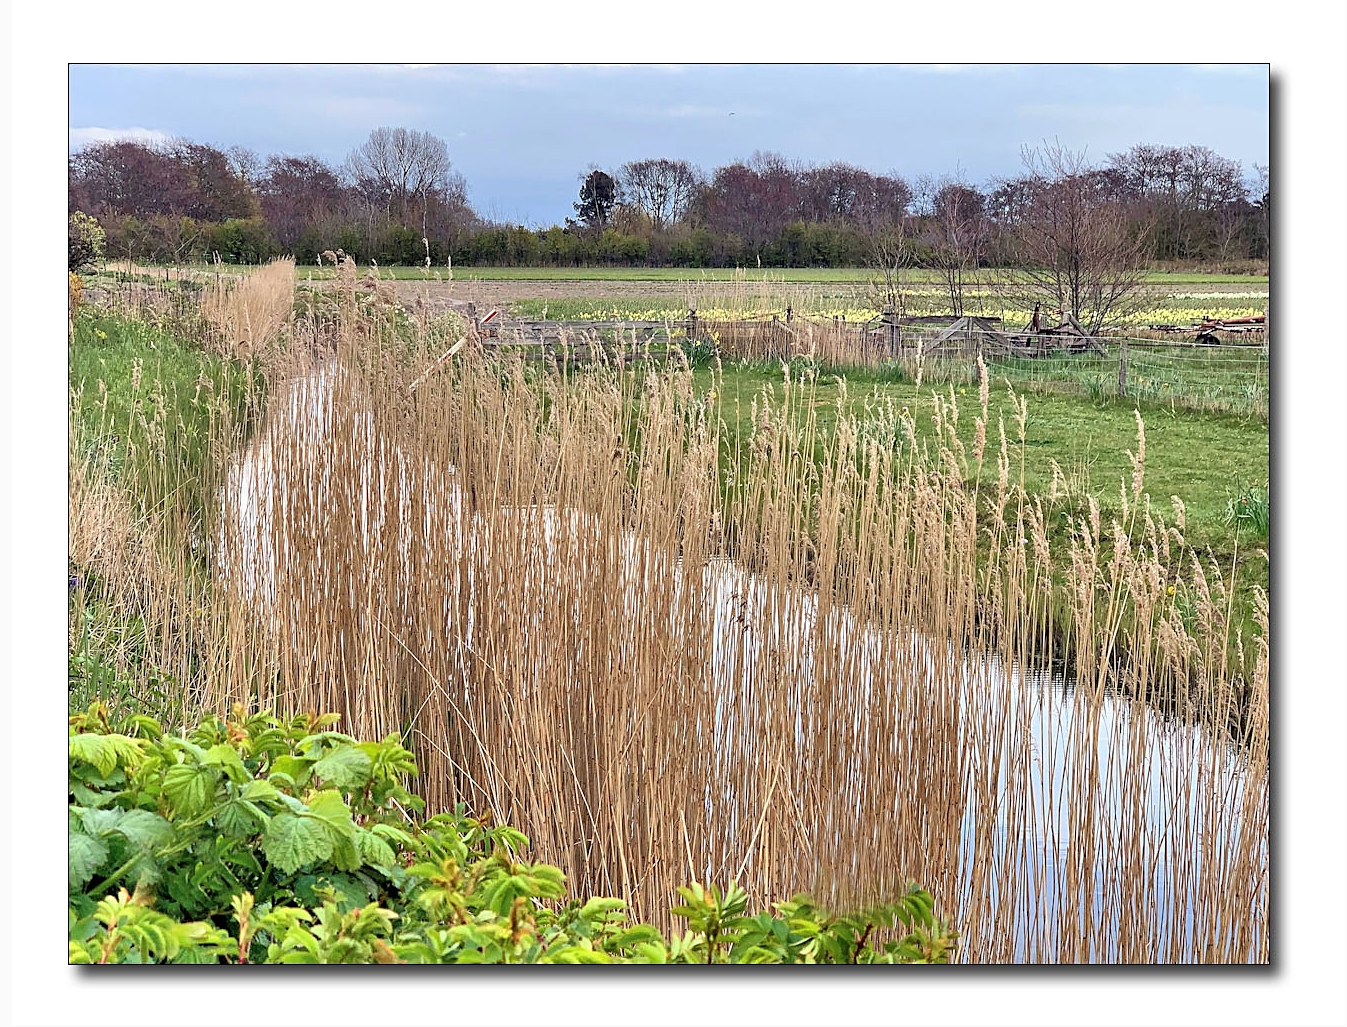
1171,589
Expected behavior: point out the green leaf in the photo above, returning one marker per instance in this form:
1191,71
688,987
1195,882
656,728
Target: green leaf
374,850
346,768
86,855
95,750
146,829
227,758
600,907
189,789
100,821
329,807
295,768
576,954
239,818
395,836
293,841
260,790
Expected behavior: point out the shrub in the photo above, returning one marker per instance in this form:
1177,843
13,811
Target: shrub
262,839
87,241
242,241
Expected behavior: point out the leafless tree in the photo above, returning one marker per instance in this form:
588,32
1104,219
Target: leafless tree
401,163
1182,189
1078,251
955,233
1263,203
889,260
661,189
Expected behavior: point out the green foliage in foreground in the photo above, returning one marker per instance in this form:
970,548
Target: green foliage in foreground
258,839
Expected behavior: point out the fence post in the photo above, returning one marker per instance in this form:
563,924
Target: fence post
692,325
890,317
1122,368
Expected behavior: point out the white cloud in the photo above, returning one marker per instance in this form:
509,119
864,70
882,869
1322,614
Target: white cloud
93,134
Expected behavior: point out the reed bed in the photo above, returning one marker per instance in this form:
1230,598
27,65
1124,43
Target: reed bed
831,343
801,674
251,311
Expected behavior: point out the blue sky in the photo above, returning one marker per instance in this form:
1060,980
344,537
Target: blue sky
522,135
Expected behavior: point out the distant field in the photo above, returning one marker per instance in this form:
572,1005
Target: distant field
672,275
691,274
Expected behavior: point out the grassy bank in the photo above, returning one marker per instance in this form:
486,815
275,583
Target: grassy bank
155,410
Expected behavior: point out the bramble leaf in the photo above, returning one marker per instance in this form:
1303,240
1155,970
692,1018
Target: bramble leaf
100,821
329,807
146,829
86,856
294,768
188,788
239,818
293,841
373,850
346,768
258,790
227,758
95,750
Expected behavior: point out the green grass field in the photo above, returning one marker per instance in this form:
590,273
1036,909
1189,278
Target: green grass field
691,274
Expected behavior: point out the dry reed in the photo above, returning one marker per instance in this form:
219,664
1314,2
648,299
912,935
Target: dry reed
251,311
800,675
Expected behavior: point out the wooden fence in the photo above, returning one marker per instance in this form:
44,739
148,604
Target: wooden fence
1231,377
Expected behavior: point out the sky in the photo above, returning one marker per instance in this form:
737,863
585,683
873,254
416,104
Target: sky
524,135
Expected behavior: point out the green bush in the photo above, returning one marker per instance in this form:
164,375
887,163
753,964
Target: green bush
262,839
87,240
242,241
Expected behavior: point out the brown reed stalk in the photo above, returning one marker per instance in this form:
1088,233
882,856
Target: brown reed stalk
807,678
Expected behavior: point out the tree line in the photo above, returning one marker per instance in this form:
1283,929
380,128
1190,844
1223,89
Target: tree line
398,200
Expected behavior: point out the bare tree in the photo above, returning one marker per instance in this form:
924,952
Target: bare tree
1263,204
889,259
399,164
1078,250
661,189
955,233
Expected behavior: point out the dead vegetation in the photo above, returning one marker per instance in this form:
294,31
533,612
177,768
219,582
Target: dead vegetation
794,672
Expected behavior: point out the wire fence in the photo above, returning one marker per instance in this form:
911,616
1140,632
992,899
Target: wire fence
1230,377
1226,378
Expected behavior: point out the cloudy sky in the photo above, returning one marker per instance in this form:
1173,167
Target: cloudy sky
522,135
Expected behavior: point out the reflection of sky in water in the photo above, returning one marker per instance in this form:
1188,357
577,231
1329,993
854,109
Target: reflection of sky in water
1146,792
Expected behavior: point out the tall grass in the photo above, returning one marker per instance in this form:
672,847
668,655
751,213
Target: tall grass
799,674
249,312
